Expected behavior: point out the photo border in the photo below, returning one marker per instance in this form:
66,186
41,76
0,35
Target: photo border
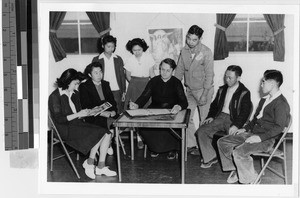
45,6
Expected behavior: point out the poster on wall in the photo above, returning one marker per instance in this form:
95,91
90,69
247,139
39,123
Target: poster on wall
165,43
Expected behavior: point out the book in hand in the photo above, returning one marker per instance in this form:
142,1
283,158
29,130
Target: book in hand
99,109
151,114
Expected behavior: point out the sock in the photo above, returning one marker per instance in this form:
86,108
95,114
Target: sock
101,165
90,161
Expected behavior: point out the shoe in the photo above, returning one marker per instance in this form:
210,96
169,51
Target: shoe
89,170
190,149
152,154
172,155
195,152
85,165
105,171
140,144
232,178
209,164
110,151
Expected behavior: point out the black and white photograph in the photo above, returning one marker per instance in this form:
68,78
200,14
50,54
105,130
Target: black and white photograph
220,80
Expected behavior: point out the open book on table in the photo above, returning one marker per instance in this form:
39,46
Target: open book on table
155,114
99,109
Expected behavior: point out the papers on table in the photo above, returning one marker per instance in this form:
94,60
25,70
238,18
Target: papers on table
155,114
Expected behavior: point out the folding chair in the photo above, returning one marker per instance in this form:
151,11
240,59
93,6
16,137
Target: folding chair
275,153
55,140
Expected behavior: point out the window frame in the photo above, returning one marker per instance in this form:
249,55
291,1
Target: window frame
248,21
78,22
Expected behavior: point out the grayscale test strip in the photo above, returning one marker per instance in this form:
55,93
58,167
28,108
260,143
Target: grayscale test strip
15,76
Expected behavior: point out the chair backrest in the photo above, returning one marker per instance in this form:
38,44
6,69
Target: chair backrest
54,127
284,132
287,128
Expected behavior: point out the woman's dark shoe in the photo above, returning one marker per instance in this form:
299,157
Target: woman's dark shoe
152,154
172,155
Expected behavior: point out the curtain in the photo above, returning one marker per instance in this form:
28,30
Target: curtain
100,20
56,19
221,47
276,23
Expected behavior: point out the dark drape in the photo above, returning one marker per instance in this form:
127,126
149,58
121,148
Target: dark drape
56,19
221,47
101,21
276,23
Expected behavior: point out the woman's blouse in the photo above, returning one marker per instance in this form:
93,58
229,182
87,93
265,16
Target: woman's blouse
140,68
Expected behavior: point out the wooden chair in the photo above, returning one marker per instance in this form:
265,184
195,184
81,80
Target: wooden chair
55,139
276,153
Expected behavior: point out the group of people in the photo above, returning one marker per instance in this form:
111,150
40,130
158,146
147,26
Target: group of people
104,80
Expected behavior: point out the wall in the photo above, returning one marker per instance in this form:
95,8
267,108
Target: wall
126,26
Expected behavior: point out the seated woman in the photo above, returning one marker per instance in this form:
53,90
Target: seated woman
166,92
66,111
94,92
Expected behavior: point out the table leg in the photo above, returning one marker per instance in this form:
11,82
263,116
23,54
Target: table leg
132,144
182,154
118,153
185,149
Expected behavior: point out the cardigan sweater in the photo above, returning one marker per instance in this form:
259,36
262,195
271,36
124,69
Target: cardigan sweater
274,119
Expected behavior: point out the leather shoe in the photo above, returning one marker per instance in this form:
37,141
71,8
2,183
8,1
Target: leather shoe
89,170
195,152
172,155
232,178
105,171
209,164
152,154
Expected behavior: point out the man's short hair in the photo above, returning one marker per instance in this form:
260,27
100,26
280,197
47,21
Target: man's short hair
236,69
273,74
195,29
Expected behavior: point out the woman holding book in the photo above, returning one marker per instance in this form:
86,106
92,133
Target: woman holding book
67,114
166,92
94,92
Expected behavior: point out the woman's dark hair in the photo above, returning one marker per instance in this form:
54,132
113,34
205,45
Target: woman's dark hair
168,61
88,70
274,75
195,29
136,41
67,77
236,69
104,40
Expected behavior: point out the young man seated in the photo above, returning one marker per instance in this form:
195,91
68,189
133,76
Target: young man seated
259,135
228,112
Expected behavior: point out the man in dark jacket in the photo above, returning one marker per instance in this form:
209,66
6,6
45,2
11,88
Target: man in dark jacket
228,112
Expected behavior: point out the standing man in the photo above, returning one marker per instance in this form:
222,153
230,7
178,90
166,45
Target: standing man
271,116
196,65
228,112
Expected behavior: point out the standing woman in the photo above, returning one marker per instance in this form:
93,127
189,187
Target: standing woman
65,109
139,69
113,67
166,92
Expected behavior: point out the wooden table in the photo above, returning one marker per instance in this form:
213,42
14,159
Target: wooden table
181,121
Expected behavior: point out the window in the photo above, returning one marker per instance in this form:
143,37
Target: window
77,34
249,33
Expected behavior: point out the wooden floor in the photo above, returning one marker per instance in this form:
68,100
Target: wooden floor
157,170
